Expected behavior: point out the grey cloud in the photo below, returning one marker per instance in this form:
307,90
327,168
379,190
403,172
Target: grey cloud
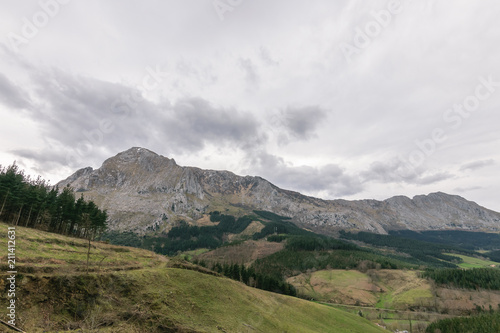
266,57
203,74
88,119
395,171
46,159
330,178
427,179
477,165
385,172
467,189
37,155
194,122
251,75
12,96
301,122
79,112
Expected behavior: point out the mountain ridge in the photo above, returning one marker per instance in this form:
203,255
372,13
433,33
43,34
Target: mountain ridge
145,192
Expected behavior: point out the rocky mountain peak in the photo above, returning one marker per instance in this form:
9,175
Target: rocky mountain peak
138,157
144,191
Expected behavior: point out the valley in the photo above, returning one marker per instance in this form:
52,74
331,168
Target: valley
212,264
397,298
134,290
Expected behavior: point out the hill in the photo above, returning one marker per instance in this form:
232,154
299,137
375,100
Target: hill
134,290
146,192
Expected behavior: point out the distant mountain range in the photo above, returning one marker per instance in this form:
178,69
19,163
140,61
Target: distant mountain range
143,191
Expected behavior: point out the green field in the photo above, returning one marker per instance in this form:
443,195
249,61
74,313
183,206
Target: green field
412,296
383,289
193,253
134,290
472,262
393,320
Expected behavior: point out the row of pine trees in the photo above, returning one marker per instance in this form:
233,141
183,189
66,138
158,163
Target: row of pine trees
483,323
251,278
475,279
34,203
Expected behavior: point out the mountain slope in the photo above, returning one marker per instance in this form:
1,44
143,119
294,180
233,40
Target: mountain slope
143,191
134,290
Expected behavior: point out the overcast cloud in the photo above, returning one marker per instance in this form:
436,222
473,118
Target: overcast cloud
10,95
344,99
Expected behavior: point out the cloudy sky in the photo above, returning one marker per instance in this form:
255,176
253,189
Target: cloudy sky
336,99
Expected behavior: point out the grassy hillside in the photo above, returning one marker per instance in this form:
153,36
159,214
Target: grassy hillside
41,252
134,290
474,262
387,289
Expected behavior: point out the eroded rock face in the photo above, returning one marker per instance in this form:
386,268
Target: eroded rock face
144,192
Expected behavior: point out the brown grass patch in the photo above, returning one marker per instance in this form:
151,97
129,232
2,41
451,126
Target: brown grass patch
252,228
460,301
246,252
337,286
205,221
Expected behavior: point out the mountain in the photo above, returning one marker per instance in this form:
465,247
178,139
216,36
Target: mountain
143,191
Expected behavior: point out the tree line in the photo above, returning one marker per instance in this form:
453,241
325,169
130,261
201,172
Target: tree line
252,278
318,243
484,323
423,252
184,237
278,225
493,255
470,240
33,203
288,262
476,278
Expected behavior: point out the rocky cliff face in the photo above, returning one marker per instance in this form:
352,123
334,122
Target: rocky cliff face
143,192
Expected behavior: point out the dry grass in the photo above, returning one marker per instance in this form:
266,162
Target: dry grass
461,301
246,252
403,289
205,221
47,253
337,286
252,228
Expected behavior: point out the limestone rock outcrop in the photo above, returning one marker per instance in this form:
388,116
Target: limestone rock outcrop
145,192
